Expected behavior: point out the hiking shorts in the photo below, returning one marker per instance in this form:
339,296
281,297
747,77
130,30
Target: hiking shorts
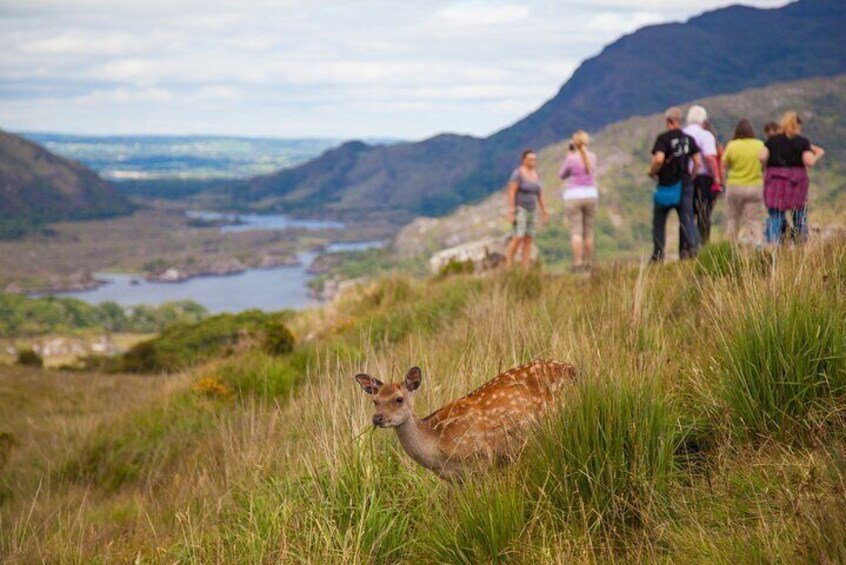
581,215
525,222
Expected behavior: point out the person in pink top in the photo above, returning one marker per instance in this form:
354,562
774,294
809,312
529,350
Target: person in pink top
580,199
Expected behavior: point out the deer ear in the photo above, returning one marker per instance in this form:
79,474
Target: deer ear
368,383
413,378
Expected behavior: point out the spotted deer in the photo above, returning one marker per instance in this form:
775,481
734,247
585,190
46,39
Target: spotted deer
482,427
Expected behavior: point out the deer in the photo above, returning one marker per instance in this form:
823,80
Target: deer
485,427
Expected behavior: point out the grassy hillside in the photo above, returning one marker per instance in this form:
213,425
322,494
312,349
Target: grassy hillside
707,426
624,220
37,186
723,51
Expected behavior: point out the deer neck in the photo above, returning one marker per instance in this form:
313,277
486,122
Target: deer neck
420,443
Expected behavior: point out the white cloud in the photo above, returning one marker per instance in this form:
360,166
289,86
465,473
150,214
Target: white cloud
478,14
330,67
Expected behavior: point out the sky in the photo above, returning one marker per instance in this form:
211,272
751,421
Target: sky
278,68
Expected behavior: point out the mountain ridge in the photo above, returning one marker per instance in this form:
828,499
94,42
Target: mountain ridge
736,43
38,186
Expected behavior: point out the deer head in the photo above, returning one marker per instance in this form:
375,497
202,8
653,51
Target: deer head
392,401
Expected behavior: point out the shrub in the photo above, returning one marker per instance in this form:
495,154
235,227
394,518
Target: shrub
211,388
182,345
784,366
262,375
606,456
29,358
278,339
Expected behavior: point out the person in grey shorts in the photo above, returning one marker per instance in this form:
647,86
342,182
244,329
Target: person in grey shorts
524,198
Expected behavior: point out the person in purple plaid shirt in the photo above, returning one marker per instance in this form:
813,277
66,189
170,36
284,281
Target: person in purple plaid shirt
786,157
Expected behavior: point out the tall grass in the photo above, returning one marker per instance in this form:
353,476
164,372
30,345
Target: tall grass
783,364
477,523
606,457
727,260
363,506
672,360
262,375
142,448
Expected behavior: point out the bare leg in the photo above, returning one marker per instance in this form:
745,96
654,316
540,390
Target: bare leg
588,251
527,252
512,249
578,249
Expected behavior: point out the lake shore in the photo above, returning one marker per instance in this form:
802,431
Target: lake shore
158,238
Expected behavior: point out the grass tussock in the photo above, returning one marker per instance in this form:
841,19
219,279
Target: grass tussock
487,519
727,260
606,457
783,365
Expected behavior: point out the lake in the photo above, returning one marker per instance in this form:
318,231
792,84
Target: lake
278,288
252,222
272,289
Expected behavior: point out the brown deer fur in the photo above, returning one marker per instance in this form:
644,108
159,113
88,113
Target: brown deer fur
482,427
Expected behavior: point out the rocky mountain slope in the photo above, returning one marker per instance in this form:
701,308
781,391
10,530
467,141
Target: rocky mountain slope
38,186
623,151
723,51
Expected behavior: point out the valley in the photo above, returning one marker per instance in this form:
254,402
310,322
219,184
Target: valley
161,242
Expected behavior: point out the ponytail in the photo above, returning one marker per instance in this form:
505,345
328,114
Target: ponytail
791,124
580,142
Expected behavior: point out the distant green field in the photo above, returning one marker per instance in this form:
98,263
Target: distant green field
197,158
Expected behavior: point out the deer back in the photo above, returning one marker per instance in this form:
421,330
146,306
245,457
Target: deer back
486,421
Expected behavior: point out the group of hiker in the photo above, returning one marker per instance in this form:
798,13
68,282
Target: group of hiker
691,169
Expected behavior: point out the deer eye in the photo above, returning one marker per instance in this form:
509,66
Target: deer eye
399,400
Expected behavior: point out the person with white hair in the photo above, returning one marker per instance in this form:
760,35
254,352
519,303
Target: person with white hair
707,175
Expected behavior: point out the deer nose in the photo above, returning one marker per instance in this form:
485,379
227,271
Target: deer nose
378,419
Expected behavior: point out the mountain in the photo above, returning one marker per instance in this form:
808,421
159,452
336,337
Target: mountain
624,215
364,178
722,51
38,186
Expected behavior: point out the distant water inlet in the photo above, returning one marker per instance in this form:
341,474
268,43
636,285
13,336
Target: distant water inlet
253,222
276,288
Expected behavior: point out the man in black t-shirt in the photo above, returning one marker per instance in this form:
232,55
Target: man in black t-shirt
671,156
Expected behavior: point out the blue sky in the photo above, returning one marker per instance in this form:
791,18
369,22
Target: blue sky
345,69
